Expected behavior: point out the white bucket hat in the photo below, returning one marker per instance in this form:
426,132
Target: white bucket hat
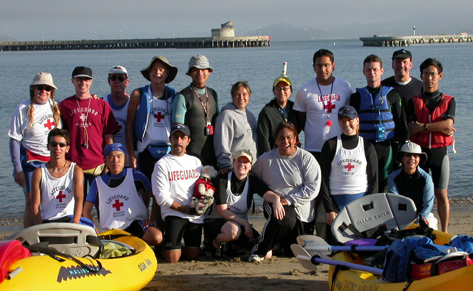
411,148
200,62
43,78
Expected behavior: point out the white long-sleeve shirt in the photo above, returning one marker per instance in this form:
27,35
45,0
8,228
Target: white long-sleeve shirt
172,180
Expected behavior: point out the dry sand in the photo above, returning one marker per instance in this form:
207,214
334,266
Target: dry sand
276,274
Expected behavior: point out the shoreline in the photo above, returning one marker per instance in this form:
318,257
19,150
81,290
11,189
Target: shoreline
456,203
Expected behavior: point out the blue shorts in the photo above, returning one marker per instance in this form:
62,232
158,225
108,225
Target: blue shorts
28,170
343,200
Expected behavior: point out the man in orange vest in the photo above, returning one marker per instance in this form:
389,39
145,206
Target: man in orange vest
430,117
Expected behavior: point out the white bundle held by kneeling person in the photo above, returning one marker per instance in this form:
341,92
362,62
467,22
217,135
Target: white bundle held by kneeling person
204,191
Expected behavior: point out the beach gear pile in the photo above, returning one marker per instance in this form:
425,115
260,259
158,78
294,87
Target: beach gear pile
380,247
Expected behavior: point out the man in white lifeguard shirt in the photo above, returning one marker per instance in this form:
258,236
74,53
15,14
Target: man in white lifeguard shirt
173,182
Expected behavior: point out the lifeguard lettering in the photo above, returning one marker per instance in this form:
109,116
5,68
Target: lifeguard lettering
349,161
333,97
183,175
116,197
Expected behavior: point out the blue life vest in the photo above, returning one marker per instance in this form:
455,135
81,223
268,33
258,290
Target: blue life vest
376,119
141,117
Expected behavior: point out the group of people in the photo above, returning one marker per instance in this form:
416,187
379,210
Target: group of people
122,152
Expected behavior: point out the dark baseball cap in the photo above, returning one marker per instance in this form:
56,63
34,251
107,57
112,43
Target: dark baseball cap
348,111
402,54
82,72
182,128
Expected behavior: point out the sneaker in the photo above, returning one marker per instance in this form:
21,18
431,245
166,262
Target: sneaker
255,258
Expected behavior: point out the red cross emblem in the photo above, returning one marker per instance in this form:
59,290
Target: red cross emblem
60,196
349,167
329,107
159,116
49,124
117,205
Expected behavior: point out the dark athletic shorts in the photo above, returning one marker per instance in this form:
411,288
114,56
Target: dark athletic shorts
136,229
177,228
439,164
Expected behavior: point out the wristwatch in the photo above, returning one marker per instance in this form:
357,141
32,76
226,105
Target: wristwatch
425,126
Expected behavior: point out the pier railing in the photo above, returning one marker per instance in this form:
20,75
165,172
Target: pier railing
195,42
412,40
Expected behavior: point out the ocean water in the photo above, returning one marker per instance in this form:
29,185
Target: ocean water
258,66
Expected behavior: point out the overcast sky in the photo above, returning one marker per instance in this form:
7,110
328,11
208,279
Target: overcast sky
105,19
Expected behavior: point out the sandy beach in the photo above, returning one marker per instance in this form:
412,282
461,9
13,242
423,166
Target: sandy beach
277,273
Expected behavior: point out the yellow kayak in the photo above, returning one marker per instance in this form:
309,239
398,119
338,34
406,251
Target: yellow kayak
362,217
460,279
131,272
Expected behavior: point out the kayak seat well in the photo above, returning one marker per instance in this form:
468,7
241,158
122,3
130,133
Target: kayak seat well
68,238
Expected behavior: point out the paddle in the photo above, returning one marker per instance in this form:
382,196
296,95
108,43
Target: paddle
309,262
317,246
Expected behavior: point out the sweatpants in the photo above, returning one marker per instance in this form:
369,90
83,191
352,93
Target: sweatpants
276,231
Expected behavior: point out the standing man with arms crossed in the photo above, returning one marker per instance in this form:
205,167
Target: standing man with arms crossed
381,121
118,100
173,181
405,85
197,107
90,123
316,104
430,117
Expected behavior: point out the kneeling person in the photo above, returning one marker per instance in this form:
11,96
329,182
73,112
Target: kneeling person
413,182
57,186
173,181
117,195
228,218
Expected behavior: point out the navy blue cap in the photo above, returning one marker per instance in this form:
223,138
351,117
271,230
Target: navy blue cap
348,111
182,128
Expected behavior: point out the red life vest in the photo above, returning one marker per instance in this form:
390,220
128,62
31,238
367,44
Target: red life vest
431,140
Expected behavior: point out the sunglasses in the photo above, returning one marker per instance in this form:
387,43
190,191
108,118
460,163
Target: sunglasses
119,78
54,144
46,88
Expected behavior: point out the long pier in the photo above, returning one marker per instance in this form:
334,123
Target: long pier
180,43
413,40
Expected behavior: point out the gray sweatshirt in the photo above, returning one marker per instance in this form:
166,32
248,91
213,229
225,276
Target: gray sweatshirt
235,129
296,178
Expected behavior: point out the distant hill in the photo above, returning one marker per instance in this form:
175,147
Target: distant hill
287,32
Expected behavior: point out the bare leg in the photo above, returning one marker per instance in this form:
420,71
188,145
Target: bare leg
230,231
28,214
153,236
191,253
443,208
172,256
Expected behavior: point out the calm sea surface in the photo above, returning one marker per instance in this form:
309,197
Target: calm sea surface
259,66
